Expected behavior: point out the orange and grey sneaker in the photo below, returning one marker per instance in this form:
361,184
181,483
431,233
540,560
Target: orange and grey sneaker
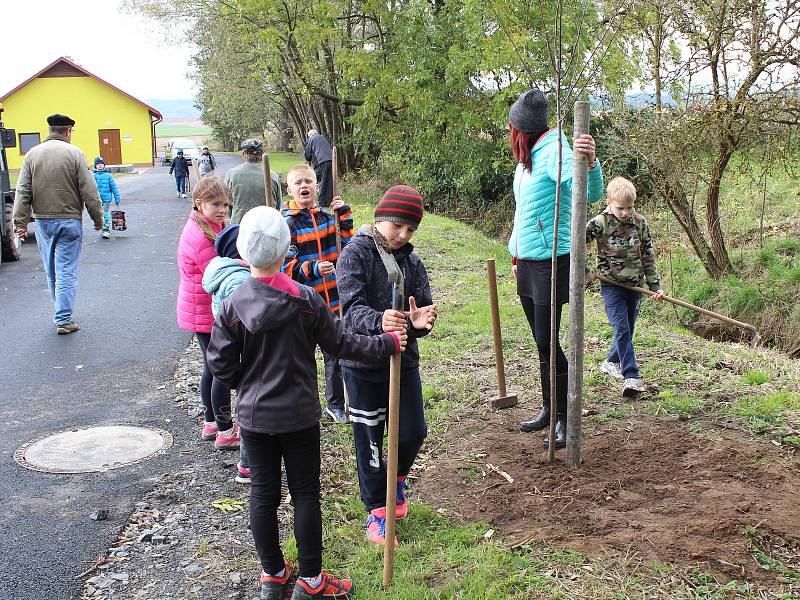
326,586
272,587
376,527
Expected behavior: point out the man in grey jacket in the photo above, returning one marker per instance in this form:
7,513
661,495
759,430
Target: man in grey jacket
55,184
320,154
247,182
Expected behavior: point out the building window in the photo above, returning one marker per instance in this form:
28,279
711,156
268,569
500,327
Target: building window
28,141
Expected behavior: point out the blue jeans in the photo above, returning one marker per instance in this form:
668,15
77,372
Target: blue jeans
59,242
622,308
180,183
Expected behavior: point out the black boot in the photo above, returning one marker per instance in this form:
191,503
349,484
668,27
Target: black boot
537,423
561,433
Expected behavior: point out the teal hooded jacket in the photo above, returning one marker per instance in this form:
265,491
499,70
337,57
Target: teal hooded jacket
535,197
221,278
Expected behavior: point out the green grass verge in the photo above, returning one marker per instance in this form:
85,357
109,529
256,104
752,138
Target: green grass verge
181,130
441,558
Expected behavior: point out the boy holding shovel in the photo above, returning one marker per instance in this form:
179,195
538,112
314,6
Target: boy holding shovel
624,255
366,298
313,258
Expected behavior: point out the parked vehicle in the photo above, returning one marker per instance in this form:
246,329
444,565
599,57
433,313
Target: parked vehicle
190,149
9,242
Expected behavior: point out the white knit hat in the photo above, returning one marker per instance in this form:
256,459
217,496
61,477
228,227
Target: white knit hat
263,237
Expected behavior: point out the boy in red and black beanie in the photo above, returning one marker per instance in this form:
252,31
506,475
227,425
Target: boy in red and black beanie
366,301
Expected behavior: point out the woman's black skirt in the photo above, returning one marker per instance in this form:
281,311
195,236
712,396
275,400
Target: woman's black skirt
533,279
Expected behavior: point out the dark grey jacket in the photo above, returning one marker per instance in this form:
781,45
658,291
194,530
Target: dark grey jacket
318,150
364,292
262,344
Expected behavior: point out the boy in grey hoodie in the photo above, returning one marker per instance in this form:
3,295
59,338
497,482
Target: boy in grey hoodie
262,344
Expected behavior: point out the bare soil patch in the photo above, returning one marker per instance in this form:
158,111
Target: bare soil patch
649,488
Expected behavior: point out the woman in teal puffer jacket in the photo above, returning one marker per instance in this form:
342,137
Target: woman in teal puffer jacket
531,243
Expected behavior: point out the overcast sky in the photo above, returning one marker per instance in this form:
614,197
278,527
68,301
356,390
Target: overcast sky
125,50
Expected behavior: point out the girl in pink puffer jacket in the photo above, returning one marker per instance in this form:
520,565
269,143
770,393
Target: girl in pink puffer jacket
212,200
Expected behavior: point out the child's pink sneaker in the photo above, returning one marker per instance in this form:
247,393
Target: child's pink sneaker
210,430
227,440
244,474
376,527
401,502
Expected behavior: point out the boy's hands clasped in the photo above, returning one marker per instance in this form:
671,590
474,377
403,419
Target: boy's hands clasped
396,321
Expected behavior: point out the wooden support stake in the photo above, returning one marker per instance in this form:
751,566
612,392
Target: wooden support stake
335,177
267,181
577,283
502,400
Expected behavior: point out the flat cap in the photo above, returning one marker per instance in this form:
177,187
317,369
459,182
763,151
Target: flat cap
60,121
253,146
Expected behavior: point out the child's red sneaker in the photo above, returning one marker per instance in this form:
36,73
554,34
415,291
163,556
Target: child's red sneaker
401,502
272,587
376,527
329,587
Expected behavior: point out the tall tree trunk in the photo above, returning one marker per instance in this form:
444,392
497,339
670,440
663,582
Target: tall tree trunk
713,221
678,204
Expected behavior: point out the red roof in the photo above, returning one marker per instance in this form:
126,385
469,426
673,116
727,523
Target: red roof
77,70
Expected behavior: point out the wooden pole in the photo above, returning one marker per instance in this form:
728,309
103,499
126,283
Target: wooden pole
391,459
267,180
503,400
577,283
335,177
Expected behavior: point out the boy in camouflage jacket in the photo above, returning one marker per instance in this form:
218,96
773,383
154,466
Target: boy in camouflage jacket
624,254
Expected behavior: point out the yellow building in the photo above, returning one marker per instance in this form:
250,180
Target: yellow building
108,122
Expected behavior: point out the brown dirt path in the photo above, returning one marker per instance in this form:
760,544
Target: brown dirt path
652,488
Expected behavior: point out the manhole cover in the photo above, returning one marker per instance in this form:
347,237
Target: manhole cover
92,449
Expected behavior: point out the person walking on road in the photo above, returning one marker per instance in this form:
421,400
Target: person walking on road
206,163
54,185
247,181
180,166
320,154
108,190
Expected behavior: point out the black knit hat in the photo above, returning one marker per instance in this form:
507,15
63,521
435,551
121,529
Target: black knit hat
529,113
60,121
400,204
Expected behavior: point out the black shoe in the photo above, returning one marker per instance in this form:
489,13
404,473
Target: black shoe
337,414
537,423
561,433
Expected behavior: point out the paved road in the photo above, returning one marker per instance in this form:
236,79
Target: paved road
127,345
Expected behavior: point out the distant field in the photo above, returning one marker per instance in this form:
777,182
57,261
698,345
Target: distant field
175,130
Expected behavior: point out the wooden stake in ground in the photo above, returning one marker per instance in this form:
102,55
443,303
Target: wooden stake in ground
196,171
267,181
335,177
577,283
397,282
502,400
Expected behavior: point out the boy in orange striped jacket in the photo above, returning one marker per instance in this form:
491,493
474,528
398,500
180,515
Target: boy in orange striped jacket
312,259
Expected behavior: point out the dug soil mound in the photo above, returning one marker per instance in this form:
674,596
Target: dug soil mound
652,489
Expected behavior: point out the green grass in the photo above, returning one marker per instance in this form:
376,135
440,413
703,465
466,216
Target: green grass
442,558
281,162
13,175
181,130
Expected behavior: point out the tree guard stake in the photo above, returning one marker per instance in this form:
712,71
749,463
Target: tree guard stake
502,400
577,282
267,180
